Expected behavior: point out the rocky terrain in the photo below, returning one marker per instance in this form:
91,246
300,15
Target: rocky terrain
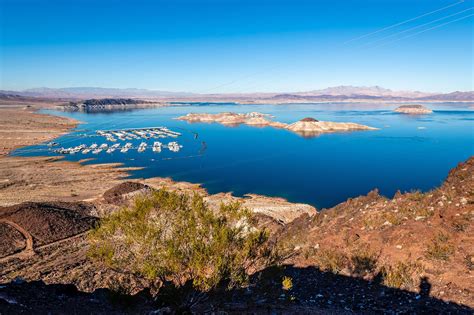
305,127
413,110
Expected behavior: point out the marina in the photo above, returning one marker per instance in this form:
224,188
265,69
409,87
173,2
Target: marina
129,134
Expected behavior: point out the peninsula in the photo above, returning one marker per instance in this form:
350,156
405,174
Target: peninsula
305,127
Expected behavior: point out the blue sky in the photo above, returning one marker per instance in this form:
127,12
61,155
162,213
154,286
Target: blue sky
236,46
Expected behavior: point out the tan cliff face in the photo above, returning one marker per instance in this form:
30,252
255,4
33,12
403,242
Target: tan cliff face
304,127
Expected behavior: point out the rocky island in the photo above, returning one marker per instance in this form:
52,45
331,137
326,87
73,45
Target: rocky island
305,127
413,109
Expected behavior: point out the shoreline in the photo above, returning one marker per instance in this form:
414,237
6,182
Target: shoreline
20,180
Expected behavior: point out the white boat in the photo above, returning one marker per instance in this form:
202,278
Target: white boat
52,144
97,151
174,146
126,147
93,146
157,146
113,148
104,146
86,150
61,151
142,147
76,149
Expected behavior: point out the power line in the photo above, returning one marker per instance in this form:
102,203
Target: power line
367,35
403,22
417,27
426,30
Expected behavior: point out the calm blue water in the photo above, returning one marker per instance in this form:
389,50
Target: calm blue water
406,153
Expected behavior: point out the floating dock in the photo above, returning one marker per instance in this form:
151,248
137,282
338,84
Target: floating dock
128,134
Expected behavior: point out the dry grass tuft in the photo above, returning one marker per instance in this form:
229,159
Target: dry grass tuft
332,260
401,275
439,248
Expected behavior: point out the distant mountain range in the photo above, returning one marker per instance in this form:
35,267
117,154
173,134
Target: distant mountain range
338,93
348,90
94,92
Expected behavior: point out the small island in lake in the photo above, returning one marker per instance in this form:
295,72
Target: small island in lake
305,127
413,109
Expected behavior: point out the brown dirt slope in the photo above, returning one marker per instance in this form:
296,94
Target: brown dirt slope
412,236
49,222
116,194
11,240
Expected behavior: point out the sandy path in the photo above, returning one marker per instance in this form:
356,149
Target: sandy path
29,250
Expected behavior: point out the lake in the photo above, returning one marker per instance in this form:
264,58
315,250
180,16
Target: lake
406,153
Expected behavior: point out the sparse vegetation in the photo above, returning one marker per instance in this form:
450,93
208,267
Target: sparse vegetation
410,209
287,283
392,217
439,248
169,237
469,259
363,261
401,275
459,225
332,260
415,195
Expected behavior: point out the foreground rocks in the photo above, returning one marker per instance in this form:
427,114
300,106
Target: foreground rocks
306,127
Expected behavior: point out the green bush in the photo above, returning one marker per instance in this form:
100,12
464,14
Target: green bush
169,237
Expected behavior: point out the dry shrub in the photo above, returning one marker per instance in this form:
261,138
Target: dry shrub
363,261
401,275
332,260
439,248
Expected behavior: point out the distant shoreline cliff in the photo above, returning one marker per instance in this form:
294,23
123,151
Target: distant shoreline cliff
106,104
